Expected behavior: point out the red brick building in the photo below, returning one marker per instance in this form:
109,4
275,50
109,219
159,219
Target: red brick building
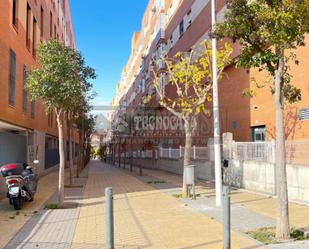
179,25
26,132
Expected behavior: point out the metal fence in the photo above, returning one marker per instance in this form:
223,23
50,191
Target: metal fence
196,153
297,152
254,151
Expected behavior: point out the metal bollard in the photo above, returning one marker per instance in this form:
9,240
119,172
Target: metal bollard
109,218
226,218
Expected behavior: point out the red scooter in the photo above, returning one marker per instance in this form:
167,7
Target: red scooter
21,182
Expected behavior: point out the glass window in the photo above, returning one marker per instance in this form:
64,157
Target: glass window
15,13
259,133
181,27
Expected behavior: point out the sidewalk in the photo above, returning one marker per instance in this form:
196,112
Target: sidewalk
249,211
19,227
145,217
11,221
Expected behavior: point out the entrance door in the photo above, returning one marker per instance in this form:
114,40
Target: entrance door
13,148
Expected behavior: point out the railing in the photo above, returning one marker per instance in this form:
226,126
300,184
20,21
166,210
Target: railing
254,151
297,152
196,153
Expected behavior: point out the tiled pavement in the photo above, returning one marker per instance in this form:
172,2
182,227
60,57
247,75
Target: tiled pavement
249,211
148,216
39,228
50,228
145,217
11,221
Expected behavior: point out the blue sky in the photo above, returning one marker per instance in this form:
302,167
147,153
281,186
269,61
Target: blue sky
103,31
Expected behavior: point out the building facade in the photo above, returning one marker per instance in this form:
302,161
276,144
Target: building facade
26,131
180,25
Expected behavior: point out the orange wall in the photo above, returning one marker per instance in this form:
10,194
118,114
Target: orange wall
15,39
264,101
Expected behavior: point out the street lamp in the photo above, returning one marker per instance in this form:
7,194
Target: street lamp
216,116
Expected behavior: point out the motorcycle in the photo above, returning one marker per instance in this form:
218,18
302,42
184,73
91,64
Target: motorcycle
21,182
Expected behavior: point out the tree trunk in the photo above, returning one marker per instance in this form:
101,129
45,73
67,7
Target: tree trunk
69,126
125,151
79,161
71,150
61,163
83,150
282,226
187,158
119,156
131,156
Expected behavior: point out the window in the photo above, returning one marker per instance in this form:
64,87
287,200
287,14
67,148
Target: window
50,119
34,37
28,27
63,6
25,93
171,40
55,32
50,24
181,28
15,14
12,78
189,18
259,133
142,86
42,22
33,109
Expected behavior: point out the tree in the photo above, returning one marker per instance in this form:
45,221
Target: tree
269,31
190,73
56,81
80,103
89,130
85,123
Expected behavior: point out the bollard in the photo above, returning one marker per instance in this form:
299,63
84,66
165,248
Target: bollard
140,169
226,218
109,218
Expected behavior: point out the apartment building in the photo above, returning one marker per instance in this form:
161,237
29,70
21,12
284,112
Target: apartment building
179,25
26,132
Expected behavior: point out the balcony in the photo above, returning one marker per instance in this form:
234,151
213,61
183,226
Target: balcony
160,36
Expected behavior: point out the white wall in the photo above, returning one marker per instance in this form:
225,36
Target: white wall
260,177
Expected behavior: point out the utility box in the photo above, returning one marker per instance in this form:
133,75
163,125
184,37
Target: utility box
190,180
189,173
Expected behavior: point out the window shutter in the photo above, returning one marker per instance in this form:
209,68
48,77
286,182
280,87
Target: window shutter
12,78
25,94
33,109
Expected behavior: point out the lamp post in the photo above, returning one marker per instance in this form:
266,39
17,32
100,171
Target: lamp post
216,116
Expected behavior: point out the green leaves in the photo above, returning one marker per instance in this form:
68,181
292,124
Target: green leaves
190,75
264,27
62,79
